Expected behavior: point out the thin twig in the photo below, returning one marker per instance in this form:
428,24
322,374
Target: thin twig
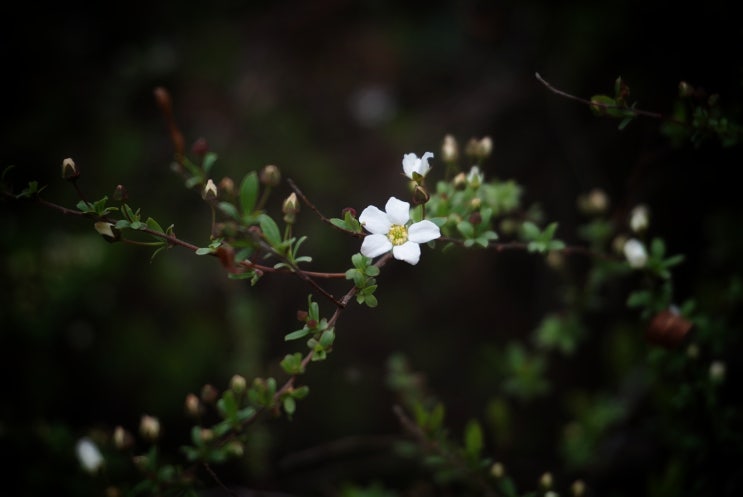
218,480
322,217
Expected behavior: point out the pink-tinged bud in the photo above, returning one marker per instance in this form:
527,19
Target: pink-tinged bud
120,194
209,394
210,191
668,329
270,175
149,427
192,405
69,169
227,185
350,210
200,147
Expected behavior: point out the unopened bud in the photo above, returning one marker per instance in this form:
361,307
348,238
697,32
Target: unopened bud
235,448
474,178
192,405
472,148
685,89
450,149
460,181
350,210
545,481
209,394
668,328
290,208
141,461
497,470
89,455
149,427
238,384
639,219
475,204
485,147
594,202
200,147
578,488
210,191
270,175
227,185
69,169
555,259
120,194
206,435
717,371
122,438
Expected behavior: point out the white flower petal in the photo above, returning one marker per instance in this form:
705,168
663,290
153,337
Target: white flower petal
375,221
424,167
409,252
423,232
410,164
398,211
375,245
635,253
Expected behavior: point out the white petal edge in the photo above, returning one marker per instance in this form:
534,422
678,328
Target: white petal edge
375,221
375,245
409,164
423,232
424,167
409,252
398,211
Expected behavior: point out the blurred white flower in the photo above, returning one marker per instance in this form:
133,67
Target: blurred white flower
639,219
635,253
88,454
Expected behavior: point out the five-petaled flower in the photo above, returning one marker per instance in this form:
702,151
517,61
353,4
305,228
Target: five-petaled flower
389,231
412,164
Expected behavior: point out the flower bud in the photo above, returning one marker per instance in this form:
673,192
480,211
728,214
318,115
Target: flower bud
485,147
578,488
476,203
235,448
290,208
69,169
635,253
497,470
210,191
668,328
122,438
149,427
200,147
209,394
227,185
717,371
238,384
460,181
472,148
192,405
450,149
639,219
474,178
120,194
685,89
545,481
595,202
89,455
270,175
206,435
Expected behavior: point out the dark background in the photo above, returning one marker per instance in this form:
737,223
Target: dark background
94,335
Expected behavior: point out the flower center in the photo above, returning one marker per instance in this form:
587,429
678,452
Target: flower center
397,234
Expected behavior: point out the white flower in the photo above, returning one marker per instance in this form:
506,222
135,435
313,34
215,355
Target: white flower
89,455
412,164
389,232
635,253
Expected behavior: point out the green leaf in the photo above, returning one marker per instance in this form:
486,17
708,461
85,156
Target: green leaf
473,441
340,223
204,251
209,159
292,364
249,192
466,229
122,224
270,230
600,104
228,210
290,405
296,335
154,225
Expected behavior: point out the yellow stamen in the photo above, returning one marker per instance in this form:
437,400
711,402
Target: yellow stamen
398,234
